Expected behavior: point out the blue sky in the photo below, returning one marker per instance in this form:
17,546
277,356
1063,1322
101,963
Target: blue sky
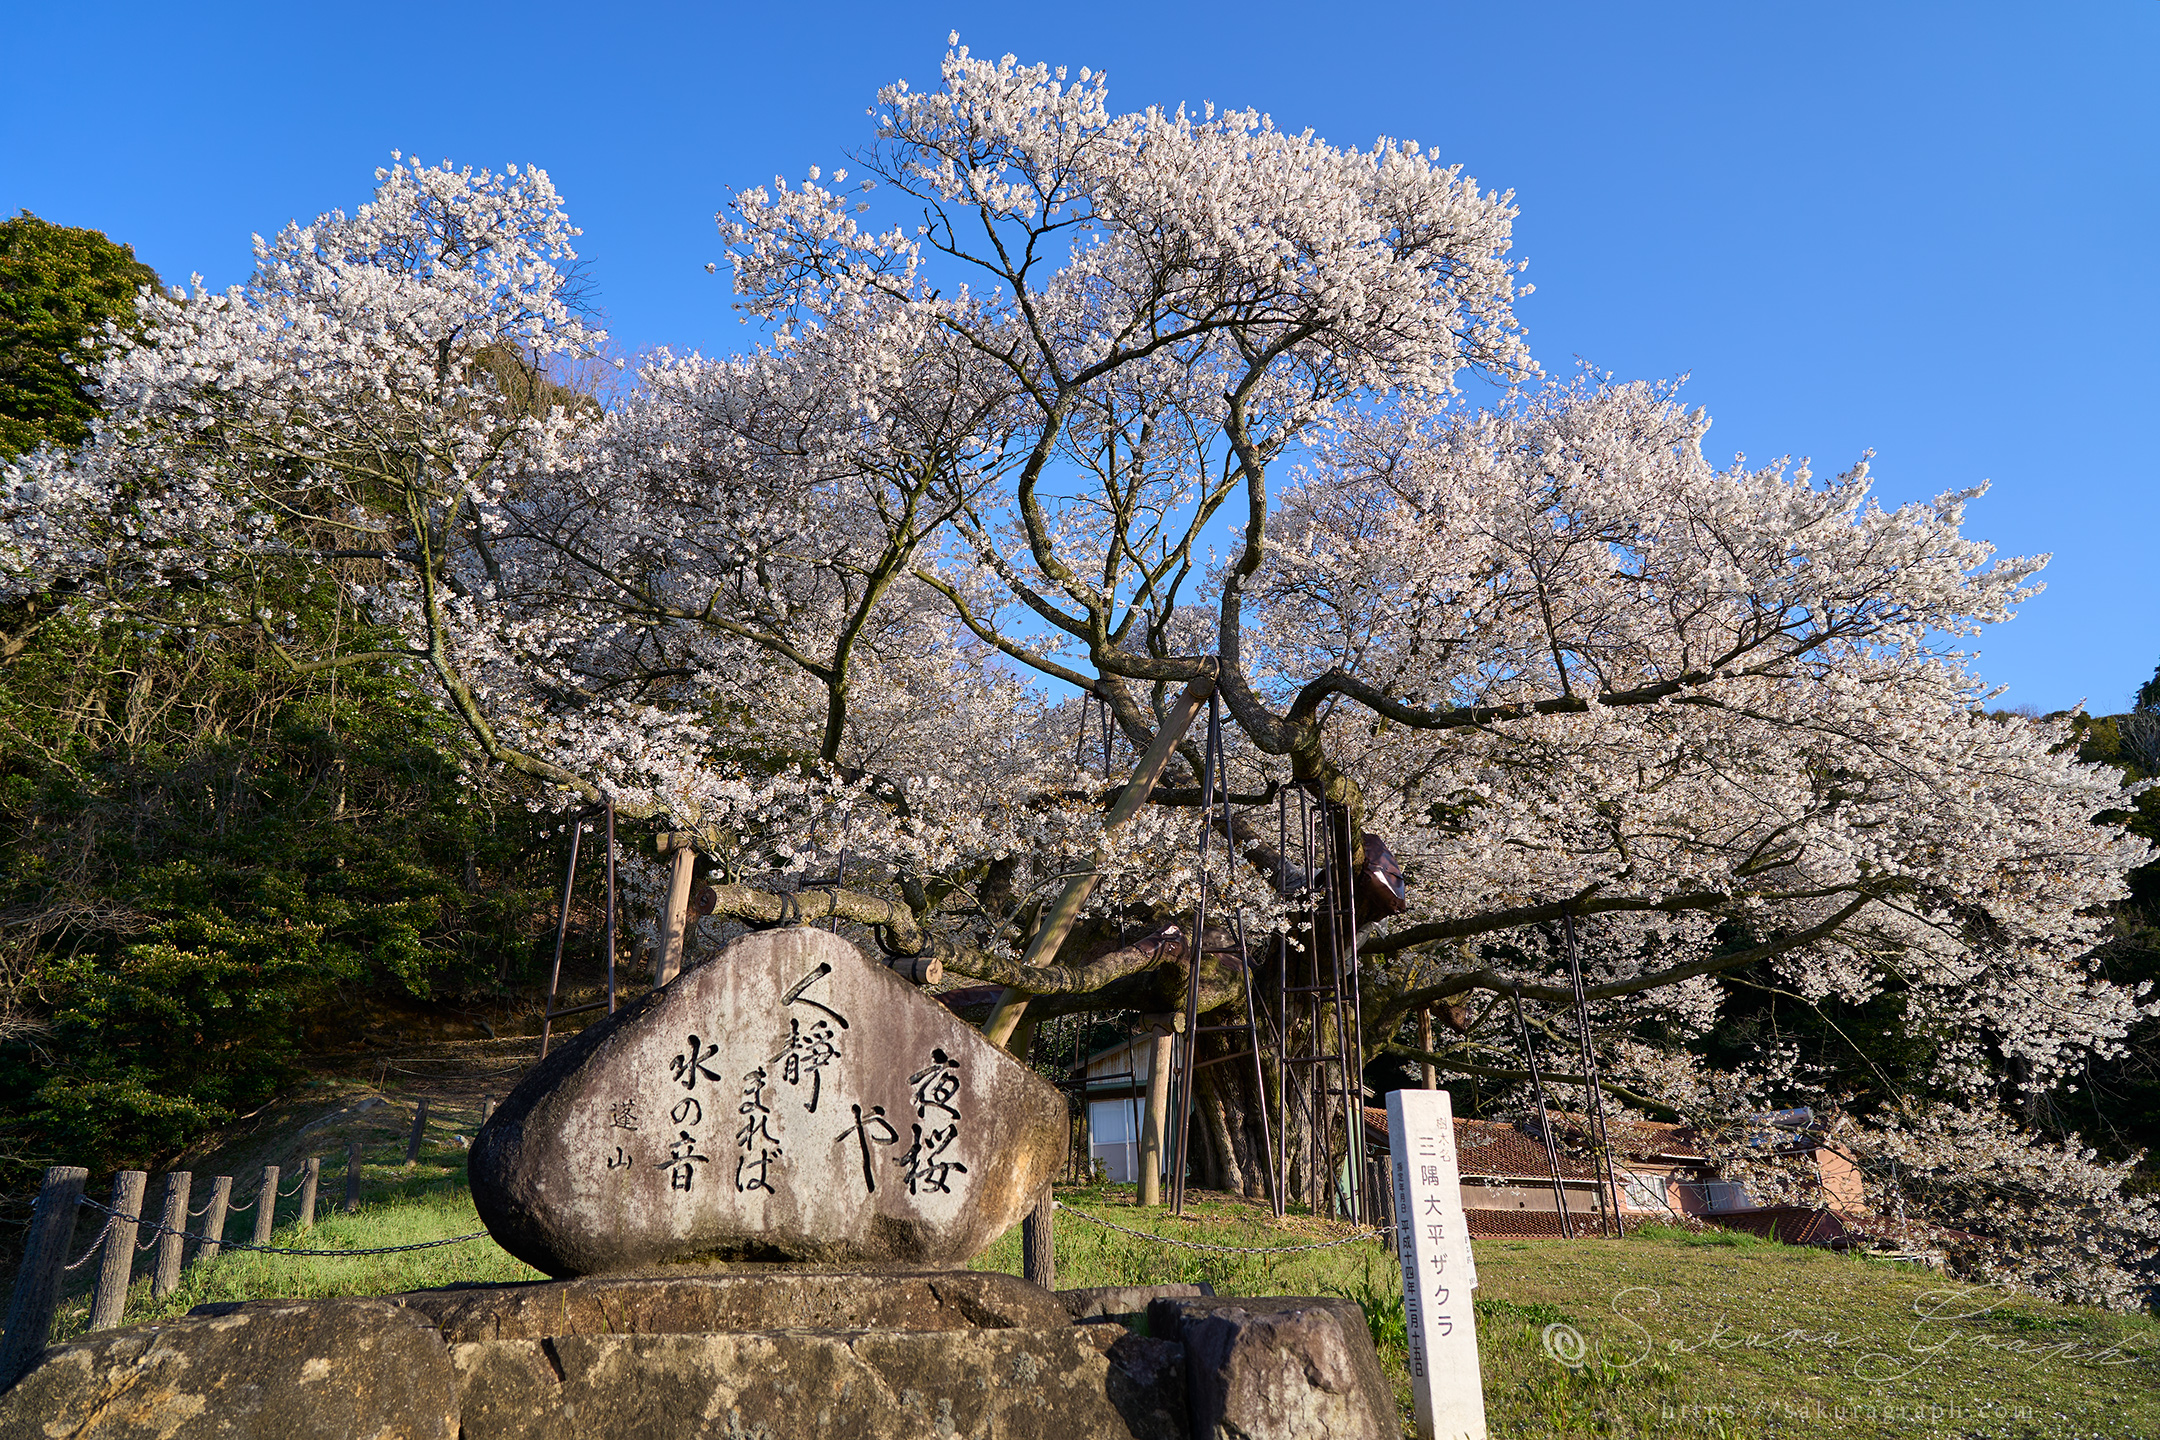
1928,230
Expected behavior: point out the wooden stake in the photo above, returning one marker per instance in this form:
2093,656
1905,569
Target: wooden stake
308,1181
117,1266
1158,1117
213,1221
419,1129
1038,1254
352,1176
668,956
37,1283
173,1216
265,1205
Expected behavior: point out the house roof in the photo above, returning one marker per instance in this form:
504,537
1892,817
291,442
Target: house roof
1632,1139
1488,1150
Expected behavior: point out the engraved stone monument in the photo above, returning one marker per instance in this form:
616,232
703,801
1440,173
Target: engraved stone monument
1433,1244
791,1101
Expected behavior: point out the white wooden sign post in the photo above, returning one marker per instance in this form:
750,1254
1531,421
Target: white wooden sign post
1433,1244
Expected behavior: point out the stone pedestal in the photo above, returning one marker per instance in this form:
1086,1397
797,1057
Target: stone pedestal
841,1355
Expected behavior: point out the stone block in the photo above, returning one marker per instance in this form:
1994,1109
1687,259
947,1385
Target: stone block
1126,1304
326,1369
788,1101
1288,1368
882,1385
784,1300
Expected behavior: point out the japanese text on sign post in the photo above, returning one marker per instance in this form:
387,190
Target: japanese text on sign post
1438,1272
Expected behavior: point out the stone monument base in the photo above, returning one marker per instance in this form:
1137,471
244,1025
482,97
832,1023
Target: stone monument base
839,1355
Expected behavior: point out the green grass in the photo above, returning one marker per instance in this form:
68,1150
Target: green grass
1680,1334
403,1207
1701,1334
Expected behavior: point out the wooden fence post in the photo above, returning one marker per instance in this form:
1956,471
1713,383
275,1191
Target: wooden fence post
352,1176
487,1108
117,1267
213,1220
419,1129
266,1205
308,1180
1038,1253
173,1217
37,1283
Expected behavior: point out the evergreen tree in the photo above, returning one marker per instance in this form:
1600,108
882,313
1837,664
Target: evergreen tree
59,287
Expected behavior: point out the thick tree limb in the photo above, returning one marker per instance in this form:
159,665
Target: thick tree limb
1490,1072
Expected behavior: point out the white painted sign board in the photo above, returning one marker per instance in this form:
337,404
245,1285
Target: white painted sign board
1433,1244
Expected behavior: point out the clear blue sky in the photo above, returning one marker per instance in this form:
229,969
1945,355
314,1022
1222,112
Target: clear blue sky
1930,230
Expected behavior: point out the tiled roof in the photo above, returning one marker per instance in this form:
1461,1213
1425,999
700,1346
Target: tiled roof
1633,1139
1482,1223
1488,1150
1793,1224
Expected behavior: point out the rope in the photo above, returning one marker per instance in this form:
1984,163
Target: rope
1224,1249
160,1228
295,1186
232,1209
95,1246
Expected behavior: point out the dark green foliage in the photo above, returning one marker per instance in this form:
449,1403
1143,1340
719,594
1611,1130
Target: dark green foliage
208,866
2116,1104
58,288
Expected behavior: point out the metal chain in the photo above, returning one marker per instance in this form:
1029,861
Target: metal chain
1224,1249
160,1228
95,1246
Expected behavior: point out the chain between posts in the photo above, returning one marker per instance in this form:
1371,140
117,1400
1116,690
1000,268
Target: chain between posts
158,1227
95,1246
1223,1249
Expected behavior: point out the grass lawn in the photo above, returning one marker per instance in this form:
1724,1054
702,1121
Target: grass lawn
1666,1333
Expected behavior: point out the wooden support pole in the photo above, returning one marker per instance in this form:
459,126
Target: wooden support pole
419,1129
668,956
266,1205
37,1282
309,1178
1424,1042
173,1217
116,1267
1050,934
1038,1253
487,1109
352,1176
1160,1056
213,1220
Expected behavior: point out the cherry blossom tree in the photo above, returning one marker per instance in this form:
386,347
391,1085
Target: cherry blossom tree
1123,404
